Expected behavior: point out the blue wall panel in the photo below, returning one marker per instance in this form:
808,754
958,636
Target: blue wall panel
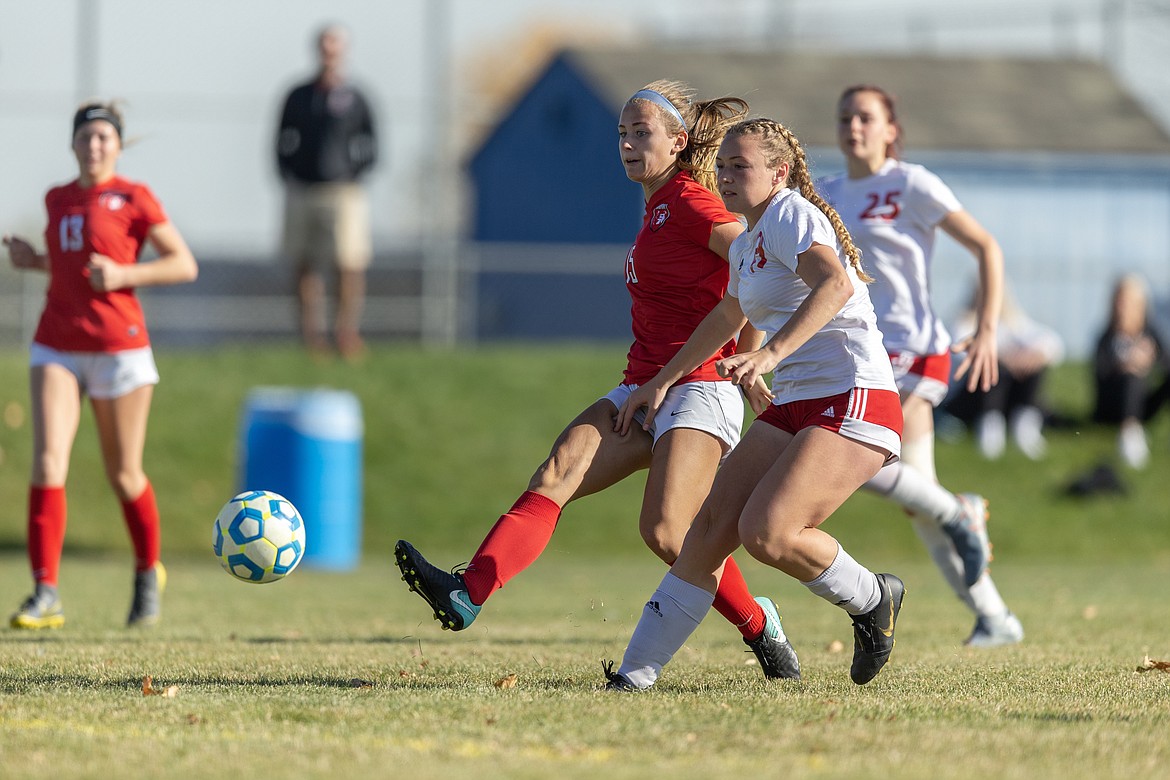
550,171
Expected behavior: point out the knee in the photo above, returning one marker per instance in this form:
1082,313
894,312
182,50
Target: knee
127,485
558,478
661,541
549,476
50,469
767,544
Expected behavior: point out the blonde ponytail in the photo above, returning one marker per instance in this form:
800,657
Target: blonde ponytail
706,122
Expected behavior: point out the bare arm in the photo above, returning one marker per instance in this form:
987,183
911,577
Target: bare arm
716,329
174,264
23,256
749,339
830,288
981,364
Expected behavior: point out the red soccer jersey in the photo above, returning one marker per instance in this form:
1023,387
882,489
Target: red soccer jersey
111,219
674,279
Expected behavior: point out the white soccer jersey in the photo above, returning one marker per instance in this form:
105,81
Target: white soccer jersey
844,354
892,216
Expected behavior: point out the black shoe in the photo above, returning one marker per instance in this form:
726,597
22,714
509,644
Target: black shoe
873,632
146,608
615,681
445,592
776,656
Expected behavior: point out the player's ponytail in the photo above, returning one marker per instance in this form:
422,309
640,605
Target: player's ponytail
706,122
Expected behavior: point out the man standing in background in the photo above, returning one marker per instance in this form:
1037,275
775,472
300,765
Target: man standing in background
325,144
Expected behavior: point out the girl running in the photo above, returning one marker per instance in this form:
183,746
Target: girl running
893,210
92,340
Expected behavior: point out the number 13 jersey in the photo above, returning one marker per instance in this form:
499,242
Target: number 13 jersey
892,216
111,219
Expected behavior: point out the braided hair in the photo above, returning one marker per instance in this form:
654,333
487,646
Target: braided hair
779,144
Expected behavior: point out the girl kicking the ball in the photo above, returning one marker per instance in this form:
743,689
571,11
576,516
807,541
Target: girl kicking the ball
92,340
676,272
834,421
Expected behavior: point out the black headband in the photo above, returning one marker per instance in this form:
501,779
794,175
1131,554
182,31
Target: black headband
90,113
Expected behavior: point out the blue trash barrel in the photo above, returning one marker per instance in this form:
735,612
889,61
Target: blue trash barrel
307,446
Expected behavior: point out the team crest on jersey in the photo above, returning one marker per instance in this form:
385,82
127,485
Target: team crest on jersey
659,216
112,201
759,259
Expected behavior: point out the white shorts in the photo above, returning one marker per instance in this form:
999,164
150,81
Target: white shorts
101,375
714,407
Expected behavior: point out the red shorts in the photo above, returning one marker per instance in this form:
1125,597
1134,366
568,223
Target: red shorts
926,376
870,416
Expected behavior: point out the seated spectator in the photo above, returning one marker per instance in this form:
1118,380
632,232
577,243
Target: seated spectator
1026,351
1129,354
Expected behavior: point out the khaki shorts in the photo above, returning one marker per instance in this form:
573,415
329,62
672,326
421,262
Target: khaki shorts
327,223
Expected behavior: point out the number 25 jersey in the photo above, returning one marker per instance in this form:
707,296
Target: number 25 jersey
892,217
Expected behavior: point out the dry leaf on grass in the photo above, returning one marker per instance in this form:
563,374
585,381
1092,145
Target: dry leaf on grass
1149,665
507,681
148,689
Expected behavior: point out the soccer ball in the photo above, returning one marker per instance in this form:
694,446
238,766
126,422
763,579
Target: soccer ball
258,536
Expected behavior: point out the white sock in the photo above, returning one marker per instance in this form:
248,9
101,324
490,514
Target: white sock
669,618
983,597
847,584
912,490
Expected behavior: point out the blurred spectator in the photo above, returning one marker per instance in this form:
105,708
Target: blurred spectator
1027,349
325,144
1129,354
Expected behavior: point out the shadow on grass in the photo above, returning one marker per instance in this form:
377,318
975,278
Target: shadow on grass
138,637
34,682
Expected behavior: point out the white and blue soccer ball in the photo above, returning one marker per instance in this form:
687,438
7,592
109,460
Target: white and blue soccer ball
258,536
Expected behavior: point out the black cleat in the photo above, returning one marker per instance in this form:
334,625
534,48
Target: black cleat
873,632
775,654
615,681
445,592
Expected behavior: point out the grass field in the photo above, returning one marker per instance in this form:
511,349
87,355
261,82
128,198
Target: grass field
328,674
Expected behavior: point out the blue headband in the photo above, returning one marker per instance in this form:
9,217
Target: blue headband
659,100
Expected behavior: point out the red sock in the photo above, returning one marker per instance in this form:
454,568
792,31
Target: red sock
46,531
142,521
734,601
515,541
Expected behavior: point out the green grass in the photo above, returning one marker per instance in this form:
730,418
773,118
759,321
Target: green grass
327,675
335,674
